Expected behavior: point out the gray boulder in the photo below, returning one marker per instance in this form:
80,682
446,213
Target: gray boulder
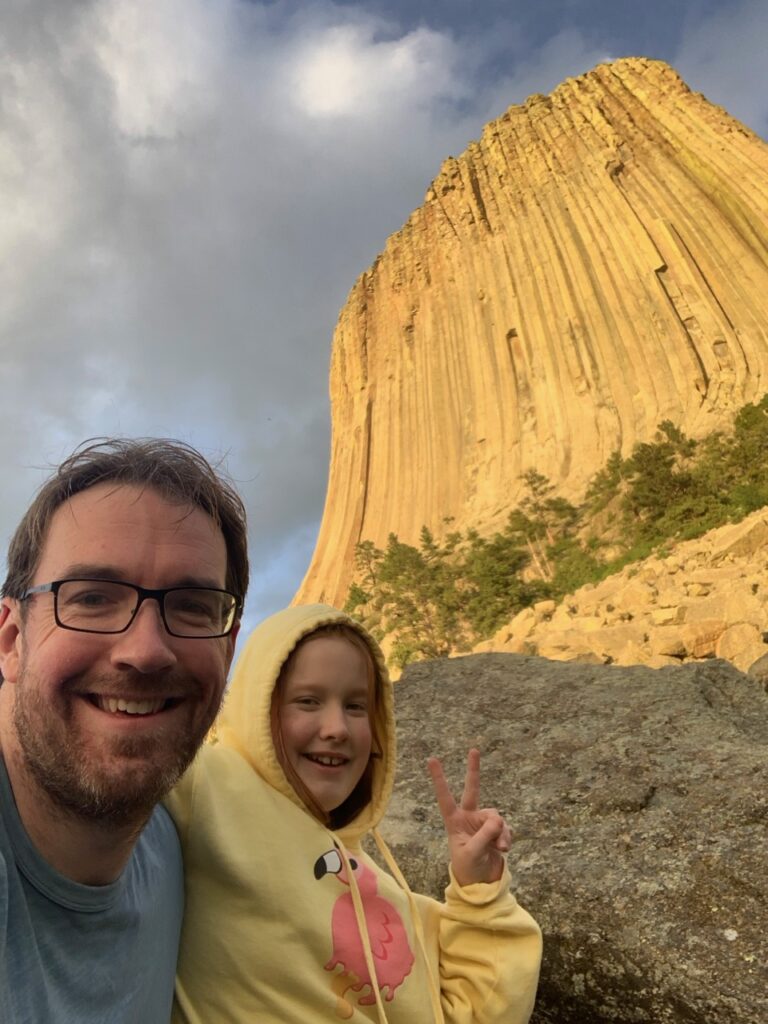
639,801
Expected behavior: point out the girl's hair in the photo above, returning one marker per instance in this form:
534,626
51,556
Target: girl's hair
363,791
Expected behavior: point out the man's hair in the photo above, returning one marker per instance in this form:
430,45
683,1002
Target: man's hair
178,472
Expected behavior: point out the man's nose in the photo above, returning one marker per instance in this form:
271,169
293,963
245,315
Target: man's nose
146,645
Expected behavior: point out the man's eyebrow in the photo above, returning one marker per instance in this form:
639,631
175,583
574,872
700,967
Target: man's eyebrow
99,571
199,581
92,571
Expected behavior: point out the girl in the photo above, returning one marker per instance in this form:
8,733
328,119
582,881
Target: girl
287,920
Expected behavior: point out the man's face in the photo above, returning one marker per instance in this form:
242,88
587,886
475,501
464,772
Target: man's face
69,734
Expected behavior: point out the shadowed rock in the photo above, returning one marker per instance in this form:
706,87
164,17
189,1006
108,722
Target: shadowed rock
639,801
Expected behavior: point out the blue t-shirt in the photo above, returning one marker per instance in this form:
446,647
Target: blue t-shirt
84,954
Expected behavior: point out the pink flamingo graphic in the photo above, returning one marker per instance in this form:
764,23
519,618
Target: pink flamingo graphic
392,955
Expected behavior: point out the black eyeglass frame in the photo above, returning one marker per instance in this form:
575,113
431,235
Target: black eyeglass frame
143,593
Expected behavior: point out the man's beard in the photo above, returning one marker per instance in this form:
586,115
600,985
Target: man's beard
118,787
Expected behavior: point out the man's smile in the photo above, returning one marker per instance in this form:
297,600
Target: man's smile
128,706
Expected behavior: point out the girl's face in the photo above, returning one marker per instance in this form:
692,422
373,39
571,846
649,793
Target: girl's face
323,710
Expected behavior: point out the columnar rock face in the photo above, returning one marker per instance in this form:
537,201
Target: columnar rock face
595,264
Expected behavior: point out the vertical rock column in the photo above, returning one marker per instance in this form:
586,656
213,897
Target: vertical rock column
595,264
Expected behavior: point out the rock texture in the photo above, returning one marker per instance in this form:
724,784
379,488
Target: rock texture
596,263
639,802
708,598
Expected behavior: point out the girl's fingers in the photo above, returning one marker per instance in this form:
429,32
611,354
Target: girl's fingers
488,835
504,842
445,800
471,795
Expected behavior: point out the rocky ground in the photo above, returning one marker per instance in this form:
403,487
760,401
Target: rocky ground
708,598
639,800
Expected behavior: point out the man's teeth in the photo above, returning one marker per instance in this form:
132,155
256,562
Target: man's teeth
331,762
130,707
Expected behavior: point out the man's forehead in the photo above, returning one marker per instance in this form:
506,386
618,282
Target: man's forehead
109,517
113,496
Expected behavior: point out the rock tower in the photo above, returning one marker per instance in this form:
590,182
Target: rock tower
596,263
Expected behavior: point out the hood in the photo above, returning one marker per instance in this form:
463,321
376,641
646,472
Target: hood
244,722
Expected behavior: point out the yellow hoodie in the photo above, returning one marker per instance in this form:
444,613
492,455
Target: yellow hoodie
287,922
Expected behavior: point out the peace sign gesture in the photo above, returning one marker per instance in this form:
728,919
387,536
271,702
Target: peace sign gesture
478,838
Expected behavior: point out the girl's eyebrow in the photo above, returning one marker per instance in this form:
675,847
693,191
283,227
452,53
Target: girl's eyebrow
311,685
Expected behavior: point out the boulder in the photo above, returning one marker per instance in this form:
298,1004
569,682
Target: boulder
670,597
639,801
700,638
741,644
544,610
654,661
523,623
666,641
759,670
666,616
567,645
734,603
742,539
620,643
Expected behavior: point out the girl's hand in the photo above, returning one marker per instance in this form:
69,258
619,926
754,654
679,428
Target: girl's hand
478,838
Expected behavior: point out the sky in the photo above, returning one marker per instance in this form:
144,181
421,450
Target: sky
189,189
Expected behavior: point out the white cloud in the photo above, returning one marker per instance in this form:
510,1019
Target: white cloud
159,90
348,71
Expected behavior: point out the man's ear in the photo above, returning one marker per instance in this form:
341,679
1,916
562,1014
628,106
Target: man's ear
10,638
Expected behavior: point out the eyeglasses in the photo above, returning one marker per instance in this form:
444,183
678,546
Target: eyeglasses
107,606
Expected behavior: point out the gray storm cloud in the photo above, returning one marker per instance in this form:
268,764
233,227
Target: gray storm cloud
189,190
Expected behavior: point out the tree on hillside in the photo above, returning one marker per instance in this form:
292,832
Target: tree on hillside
410,595
540,521
492,584
658,476
605,484
436,598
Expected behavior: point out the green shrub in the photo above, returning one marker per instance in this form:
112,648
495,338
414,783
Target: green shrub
430,600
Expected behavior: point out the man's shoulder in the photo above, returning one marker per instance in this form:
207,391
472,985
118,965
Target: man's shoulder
8,819
159,842
160,827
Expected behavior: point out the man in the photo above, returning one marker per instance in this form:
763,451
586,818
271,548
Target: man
125,585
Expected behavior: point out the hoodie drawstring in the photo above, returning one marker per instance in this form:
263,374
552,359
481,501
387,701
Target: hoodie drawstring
362,927
434,989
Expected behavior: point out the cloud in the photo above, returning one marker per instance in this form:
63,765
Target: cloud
159,60
565,54
346,71
189,189
723,56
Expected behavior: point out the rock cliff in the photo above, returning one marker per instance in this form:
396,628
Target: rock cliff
596,263
638,801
